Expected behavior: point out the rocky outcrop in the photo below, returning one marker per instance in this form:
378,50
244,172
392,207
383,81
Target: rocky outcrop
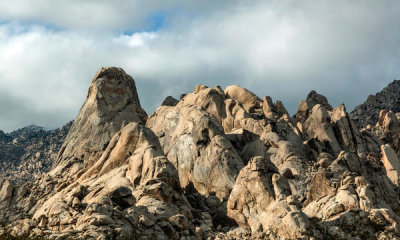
305,106
368,113
217,164
129,190
392,164
169,101
261,200
130,184
249,100
112,101
6,194
194,141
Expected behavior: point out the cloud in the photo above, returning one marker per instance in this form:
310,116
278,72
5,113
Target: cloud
103,15
345,50
17,113
136,39
79,14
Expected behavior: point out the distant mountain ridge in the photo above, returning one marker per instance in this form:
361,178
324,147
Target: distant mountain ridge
29,128
368,112
29,150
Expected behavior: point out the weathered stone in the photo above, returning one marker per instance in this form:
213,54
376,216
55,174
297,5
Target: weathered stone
256,201
318,126
119,192
194,142
248,99
273,111
392,164
112,101
169,101
333,210
76,203
144,220
6,194
313,98
179,221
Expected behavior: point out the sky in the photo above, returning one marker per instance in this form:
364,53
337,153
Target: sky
51,49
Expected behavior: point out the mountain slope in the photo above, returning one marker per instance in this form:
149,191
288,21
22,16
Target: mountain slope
28,151
368,112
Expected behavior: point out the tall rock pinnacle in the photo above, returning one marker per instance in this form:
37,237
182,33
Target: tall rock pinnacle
112,102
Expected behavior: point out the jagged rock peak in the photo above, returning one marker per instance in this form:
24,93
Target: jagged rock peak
112,102
368,112
305,107
314,98
169,101
272,110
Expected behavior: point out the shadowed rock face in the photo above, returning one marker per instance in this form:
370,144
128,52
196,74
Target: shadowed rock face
6,194
368,112
218,164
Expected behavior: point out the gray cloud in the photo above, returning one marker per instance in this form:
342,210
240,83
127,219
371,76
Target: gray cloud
103,15
345,50
16,113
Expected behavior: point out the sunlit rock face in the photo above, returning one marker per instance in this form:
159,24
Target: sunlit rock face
112,102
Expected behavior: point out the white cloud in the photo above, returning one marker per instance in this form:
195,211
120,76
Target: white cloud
346,50
138,39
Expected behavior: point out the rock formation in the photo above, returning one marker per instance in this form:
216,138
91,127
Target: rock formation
112,101
217,164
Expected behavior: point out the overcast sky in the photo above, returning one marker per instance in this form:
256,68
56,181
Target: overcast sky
50,50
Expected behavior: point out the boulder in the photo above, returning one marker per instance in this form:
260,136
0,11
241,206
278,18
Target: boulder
314,98
169,101
392,164
6,194
249,100
271,110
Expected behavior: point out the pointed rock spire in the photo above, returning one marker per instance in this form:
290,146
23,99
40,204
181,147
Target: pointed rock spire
112,102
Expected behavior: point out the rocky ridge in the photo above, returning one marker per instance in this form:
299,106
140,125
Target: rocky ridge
29,152
368,112
217,164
